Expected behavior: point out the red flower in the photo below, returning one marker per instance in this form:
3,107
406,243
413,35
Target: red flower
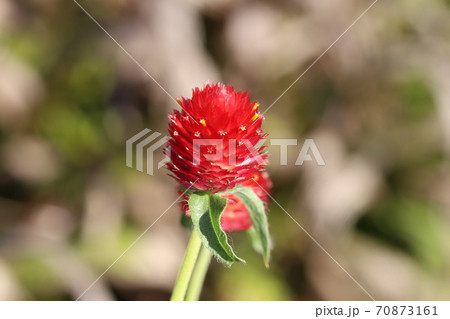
213,139
236,217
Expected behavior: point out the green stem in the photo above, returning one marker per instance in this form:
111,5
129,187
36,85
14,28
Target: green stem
198,277
184,276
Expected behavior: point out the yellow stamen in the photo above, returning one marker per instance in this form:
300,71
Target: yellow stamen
179,101
255,116
255,106
203,122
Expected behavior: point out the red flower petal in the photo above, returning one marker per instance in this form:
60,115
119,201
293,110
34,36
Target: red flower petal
216,112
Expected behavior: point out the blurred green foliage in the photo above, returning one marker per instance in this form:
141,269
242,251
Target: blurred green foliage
410,225
38,278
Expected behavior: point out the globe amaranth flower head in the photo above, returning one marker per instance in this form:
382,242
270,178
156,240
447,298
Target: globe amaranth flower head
236,217
213,139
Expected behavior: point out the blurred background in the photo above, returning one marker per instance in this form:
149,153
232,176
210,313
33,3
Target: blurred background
377,106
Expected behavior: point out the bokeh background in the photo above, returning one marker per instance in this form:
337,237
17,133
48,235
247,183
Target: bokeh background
377,106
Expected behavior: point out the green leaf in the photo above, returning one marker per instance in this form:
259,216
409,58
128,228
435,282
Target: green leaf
206,210
260,232
254,239
185,221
